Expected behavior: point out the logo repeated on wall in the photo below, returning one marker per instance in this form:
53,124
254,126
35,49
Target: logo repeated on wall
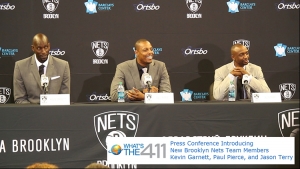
189,51
92,6
287,90
6,6
50,6
286,5
288,122
156,51
244,42
193,6
8,52
57,52
186,95
115,124
145,7
4,94
94,97
100,49
282,50
234,6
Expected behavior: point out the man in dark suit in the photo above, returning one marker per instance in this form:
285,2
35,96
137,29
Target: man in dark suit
27,73
235,71
130,72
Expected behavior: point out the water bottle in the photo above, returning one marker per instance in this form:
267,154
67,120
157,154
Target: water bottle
232,92
121,93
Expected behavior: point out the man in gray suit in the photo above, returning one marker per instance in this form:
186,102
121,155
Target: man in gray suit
238,69
27,78
130,72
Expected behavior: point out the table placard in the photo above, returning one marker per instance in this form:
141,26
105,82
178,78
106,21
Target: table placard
54,99
274,97
159,98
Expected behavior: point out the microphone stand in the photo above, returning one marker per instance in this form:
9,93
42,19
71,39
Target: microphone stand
149,88
45,86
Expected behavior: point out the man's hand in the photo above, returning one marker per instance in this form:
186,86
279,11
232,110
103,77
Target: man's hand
135,94
153,89
239,71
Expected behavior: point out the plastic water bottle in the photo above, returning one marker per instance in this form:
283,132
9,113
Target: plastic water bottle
231,93
121,93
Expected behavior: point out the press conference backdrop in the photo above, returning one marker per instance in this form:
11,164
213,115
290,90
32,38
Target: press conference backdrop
193,38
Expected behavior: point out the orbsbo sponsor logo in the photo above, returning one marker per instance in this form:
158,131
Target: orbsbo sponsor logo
146,7
7,6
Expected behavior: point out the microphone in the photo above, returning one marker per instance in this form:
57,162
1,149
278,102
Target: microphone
44,83
147,80
245,79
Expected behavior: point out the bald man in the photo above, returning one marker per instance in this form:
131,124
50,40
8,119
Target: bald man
27,73
130,72
236,70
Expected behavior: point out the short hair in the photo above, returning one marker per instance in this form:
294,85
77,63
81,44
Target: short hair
235,46
137,43
41,165
96,165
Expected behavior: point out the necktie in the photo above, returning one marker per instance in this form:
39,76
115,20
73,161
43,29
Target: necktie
240,94
41,69
144,70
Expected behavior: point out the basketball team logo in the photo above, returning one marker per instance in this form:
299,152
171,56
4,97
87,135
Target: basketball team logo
288,122
287,90
115,124
100,48
193,5
4,94
244,42
50,5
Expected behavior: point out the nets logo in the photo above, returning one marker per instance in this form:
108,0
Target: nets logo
288,122
244,42
145,7
50,6
91,6
286,5
196,51
115,124
57,52
4,94
100,48
281,50
287,90
193,6
6,6
234,6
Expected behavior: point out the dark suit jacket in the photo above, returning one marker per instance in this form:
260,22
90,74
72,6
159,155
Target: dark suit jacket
128,73
27,81
222,81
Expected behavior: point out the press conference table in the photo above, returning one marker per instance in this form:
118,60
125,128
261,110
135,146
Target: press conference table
68,135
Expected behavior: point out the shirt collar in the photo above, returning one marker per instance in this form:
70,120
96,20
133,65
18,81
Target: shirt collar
38,63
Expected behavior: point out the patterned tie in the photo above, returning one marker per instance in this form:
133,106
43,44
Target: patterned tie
145,70
41,69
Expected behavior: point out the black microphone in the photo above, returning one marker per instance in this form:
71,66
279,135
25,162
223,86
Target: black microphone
44,83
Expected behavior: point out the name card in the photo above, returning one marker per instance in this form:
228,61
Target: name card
159,98
54,99
266,97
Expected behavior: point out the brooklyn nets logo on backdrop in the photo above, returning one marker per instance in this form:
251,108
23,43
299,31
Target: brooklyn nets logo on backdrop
115,124
244,42
287,90
288,122
50,5
4,94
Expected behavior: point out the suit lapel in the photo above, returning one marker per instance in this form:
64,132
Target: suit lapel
152,69
34,70
135,75
50,68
